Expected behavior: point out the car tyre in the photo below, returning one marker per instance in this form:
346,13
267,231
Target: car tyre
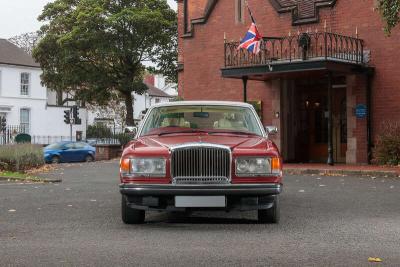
271,215
130,215
55,160
89,158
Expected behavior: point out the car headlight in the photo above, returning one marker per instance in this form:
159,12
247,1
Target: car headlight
148,167
257,166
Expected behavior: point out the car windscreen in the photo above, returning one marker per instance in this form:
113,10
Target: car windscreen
201,118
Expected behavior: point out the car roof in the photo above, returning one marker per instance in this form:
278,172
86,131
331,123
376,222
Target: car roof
206,103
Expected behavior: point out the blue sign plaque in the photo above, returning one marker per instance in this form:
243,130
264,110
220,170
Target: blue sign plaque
361,111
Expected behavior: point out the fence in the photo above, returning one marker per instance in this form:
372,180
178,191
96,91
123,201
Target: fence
304,46
95,135
11,131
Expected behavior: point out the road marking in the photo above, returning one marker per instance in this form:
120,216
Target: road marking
12,210
301,191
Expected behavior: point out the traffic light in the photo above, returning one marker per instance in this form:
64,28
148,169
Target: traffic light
67,116
3,124
75,112
75,115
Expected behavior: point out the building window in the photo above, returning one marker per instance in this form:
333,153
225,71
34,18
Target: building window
158,100
24,120
25,81
239,8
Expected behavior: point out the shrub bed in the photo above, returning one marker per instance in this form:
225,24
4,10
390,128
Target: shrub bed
387,147
21,157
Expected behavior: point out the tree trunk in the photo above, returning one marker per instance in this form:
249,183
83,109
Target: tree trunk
129,109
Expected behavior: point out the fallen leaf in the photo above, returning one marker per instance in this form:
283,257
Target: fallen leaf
371,259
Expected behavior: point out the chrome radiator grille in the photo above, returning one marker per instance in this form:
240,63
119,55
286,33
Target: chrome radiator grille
201,165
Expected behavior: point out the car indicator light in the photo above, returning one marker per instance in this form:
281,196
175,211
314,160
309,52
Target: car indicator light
276,165
125,166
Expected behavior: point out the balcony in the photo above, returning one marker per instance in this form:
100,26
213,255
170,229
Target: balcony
300,52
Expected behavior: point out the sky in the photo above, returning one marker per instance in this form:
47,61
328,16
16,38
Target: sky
20,16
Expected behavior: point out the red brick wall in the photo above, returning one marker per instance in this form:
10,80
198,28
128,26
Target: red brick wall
203,55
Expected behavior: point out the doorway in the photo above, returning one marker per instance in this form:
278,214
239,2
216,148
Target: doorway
305,121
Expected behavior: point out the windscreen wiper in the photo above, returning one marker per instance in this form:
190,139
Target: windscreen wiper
183,131
232,132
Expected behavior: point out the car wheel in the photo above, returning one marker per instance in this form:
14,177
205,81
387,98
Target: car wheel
55,160
89,158
130,215
271,215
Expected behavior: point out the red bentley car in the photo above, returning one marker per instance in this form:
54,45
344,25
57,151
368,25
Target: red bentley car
201,155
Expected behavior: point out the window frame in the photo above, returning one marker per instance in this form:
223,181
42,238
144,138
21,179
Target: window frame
27,129
22,85
239,11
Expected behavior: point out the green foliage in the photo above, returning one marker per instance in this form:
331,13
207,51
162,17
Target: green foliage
387,147
390,10
21,157
97,47
98,131
125,138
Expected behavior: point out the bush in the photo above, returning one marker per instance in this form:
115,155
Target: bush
125,138
98,131
21,157
387,147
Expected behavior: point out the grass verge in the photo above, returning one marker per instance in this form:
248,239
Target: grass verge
21,177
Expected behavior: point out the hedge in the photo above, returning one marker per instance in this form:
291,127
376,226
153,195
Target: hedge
21,157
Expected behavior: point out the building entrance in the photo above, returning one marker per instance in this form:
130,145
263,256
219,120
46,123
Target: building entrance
305,121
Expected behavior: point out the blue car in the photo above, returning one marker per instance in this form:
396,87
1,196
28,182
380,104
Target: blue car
69,152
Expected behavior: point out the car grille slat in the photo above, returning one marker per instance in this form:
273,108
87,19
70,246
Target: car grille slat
200,165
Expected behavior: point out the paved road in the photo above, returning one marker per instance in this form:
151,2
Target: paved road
325,221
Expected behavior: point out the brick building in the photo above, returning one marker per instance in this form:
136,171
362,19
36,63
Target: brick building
326,75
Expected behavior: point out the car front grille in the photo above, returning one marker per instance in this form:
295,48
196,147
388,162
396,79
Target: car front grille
201,165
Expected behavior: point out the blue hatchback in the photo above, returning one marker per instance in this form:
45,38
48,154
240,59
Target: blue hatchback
69,152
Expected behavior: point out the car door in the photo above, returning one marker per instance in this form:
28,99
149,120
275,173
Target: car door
67,152
80,151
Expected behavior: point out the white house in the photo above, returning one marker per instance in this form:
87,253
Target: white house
27,105
152,96
161,83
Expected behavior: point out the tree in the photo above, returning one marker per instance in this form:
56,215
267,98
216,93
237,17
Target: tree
26,41
96,48
390,11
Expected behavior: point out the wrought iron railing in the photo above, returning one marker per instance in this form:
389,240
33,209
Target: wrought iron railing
10,132
299,47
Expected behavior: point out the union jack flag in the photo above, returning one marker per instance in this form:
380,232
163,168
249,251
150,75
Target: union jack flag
252,40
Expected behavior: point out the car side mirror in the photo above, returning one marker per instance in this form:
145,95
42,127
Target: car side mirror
271,130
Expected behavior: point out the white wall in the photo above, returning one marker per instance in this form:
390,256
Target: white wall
44,120
169,88
145,101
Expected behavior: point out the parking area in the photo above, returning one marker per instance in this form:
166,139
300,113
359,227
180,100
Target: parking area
325,220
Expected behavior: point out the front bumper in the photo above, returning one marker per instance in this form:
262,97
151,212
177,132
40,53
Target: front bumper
162,197
200,190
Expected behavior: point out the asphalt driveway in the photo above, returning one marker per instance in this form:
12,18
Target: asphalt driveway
325,220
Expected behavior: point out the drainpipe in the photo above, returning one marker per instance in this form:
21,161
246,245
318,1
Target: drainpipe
369,75
330,126
244,79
